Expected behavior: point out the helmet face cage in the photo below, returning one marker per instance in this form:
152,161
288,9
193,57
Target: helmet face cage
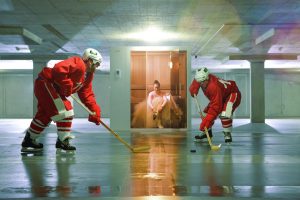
96,61
201,74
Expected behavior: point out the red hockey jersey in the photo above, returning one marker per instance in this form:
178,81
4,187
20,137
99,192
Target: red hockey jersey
73,69
217,91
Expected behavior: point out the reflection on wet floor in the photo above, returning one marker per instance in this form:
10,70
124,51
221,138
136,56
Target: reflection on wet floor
260,163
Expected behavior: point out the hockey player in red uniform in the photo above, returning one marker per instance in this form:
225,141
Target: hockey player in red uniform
224,97
52,87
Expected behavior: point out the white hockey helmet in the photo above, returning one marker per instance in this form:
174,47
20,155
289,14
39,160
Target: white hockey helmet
201,74
92,54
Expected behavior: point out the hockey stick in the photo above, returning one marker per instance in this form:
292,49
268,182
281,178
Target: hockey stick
133,149
213,147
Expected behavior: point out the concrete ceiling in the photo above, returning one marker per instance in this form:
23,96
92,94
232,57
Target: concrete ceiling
213,29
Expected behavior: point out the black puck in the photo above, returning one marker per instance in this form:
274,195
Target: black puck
193,150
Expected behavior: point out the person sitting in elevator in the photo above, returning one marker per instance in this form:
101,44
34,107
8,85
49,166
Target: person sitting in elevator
147,116
224,97
156,102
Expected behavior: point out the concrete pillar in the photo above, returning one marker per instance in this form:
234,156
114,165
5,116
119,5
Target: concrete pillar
257,91
120,88
38,64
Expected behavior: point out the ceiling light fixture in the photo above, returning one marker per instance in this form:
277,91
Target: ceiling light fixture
152,35
16,64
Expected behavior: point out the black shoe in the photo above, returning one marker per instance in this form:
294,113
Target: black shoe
64,145
227,136
154,116
30,145
203,135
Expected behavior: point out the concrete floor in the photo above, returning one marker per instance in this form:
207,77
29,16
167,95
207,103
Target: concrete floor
262,162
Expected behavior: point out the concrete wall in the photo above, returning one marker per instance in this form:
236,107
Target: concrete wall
282,95
281,101
16,95
120,88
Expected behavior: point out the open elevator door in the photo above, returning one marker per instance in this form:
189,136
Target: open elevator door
169,68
